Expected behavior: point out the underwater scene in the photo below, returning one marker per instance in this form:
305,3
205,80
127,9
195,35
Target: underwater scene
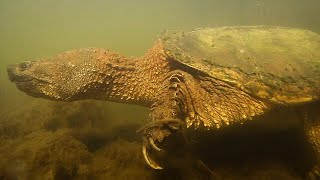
183,89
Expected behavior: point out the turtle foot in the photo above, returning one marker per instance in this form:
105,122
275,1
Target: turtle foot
154,134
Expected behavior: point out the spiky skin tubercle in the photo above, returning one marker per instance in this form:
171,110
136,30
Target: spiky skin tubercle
197,99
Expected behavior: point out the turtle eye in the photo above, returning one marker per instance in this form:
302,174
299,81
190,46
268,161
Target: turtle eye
24,65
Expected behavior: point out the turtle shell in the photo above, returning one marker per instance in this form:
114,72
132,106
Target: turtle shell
276,63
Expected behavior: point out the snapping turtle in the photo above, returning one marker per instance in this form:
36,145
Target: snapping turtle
203,79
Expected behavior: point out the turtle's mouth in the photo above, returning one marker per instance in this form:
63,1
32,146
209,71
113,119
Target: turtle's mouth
16,72
21,75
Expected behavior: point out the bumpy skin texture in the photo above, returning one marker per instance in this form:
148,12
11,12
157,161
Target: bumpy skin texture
174,95
178,95
153,80
92,73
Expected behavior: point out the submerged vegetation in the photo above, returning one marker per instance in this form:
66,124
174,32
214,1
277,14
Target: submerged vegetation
55,140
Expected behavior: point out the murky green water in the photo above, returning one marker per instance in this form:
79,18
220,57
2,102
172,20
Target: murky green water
38,28
43,28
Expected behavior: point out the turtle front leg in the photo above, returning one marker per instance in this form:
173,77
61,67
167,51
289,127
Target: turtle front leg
167,119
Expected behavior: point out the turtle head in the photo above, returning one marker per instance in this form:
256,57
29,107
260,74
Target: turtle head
44,79
70,76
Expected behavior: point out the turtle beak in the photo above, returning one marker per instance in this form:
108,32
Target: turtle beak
21,75
16,71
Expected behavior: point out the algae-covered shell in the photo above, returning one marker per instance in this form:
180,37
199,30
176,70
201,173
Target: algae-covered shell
276,63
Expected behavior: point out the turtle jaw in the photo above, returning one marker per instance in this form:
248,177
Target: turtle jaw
15,72
18,74
33,84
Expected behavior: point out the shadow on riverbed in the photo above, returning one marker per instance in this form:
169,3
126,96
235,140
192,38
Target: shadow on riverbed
83,140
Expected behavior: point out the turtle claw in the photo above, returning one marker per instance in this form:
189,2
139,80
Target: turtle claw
153,144
149,161
154,134
173,124
175,127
